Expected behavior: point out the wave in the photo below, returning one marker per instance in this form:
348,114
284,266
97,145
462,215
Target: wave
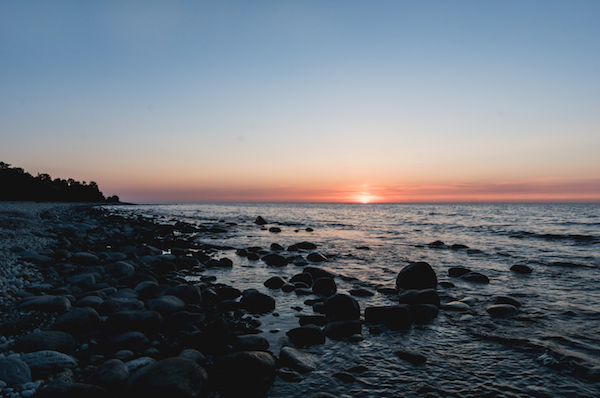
576,238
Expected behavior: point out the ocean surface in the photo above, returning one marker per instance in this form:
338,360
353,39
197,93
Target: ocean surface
551,348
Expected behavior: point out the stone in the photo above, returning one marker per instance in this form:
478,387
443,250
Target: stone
275,260
72,390
361,292
394,317
418,275
275,229
145,320
78,321
120,269
300,361
456,306
423,313
260,221
316,257
114,305
324,286
193,354
250,342
45,340
90,301
318,320
59,304
475,277
111,375
253,373
83,258
321,394
189,294
166,305
276,247
303,277
132,340
170,377
501,310
458,271
412,357
289,375
125,293
341,307
136,364
275,282
228,292
256,302
14,371
317,272
48,360
305,336
148,289
82,280
342,329
507,300
521,269
425,296
344,377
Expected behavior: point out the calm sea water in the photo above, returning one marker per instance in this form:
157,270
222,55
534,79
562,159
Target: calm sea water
549,349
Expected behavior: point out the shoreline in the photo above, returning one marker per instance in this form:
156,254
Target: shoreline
95,304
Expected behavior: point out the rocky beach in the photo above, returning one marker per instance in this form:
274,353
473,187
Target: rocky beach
96,303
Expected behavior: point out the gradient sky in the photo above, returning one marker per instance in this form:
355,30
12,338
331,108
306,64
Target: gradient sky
360,101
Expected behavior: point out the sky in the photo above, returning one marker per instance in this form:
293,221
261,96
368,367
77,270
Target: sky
306,101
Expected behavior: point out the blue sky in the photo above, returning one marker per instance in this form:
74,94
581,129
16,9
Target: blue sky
301,100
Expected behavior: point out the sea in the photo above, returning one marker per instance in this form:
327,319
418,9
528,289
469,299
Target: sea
549,348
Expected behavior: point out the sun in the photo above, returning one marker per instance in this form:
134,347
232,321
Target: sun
365,197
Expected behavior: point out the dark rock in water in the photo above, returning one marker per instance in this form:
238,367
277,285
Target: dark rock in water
288,287
303,277
416,276
260,221
274,229
324,286
437,244
423,313
171,377
275,260
305,336
14,371
306,246
499,310
256,302
475,277
111,375
388,290
458,271
425,296
72,390
289,375
318,320
225,262
412,357
507,300
458,246
394,317
323,395
78,321
316,257
276,247
133,341
123,321
228,292
298,360
111,306
167,305
342,329
521,269
58,304
275,282
247,373
242,252
341,307
446,284
253,257
318,273
189,294
361,292
44,340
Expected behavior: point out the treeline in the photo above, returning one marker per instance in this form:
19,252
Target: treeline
17,184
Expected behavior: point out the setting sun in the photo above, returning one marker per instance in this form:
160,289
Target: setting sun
365,197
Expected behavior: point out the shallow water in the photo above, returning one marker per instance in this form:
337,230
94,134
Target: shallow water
544,351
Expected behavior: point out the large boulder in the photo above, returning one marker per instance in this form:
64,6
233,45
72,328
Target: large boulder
341,307
425,296
78,321
171,377
298,360
342,329
167,305
58,304
111,375
247,374
305,336
14,371
324,286
189,294
417,276
123,321
275,260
